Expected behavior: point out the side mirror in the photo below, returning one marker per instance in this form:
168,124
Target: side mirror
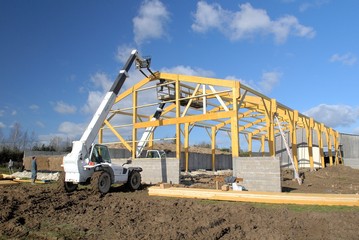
128,161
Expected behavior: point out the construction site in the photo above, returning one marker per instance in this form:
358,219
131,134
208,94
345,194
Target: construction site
276,158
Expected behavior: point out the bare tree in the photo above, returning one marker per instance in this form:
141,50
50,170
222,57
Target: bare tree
15,136
2,140
32,140
55,143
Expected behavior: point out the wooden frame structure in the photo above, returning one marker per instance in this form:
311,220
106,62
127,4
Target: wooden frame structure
215,105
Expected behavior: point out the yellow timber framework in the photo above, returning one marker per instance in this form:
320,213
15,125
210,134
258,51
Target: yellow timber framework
215,105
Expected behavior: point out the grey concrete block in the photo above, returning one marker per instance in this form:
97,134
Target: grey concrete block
157,170
352,162
258,173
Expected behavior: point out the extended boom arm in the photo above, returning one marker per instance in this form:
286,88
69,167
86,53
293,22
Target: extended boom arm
74,163
91,132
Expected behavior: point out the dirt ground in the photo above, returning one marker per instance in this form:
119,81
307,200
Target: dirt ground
43,212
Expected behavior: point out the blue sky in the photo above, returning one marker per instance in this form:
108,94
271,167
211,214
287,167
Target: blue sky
59,58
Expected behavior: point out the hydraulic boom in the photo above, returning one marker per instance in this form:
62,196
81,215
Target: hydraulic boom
74,163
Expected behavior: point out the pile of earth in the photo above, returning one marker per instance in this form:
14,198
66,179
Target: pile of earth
43,211
338,179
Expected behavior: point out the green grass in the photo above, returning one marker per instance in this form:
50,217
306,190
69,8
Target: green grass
60,231
306,208
291,207
4,170
319,208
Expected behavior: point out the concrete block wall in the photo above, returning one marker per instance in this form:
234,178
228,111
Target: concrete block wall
119,153
303,152
350,143
352,162
258,173
204,161
156,170
196,160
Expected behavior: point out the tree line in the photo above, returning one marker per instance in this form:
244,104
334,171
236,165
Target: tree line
17,141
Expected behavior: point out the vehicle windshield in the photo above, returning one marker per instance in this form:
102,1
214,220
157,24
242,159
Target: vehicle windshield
100,154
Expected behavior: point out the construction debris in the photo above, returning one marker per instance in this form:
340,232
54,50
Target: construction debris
43,176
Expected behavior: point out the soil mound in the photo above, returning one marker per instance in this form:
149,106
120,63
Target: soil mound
43,212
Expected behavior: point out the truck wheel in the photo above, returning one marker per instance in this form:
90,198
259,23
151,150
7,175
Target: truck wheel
67,186
134,180
101,181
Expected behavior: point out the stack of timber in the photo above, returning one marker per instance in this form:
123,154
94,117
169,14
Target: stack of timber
260,197
7,179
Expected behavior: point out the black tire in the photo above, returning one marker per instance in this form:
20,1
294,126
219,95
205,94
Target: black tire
101,182
66,186
134,181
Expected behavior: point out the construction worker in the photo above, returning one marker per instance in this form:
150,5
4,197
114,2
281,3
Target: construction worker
11,166
33,170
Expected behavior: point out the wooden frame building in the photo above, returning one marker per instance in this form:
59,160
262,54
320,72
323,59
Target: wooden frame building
215,105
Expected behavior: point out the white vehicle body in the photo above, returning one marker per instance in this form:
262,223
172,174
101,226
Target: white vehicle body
81,165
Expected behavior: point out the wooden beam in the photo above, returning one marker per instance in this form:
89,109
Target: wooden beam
234,121
310,142
259,197
178,124
186,145
134,119
122,140
213,147
189,119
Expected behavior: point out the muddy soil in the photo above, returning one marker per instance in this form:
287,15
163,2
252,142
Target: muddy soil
43,212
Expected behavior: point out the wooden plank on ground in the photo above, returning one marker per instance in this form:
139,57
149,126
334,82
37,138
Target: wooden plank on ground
29,180
7,182
6,177
260,197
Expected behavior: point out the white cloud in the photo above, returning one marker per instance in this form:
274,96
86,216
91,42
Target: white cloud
72,129
269,80
40,124
2,113
13,113
247,23
287,25
64,108
346,59
356,130
67,130
334,115
102,81
312,4
46,139
186,70
264,85
123,52
208,16
34,107
2,125
93,101
151,21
